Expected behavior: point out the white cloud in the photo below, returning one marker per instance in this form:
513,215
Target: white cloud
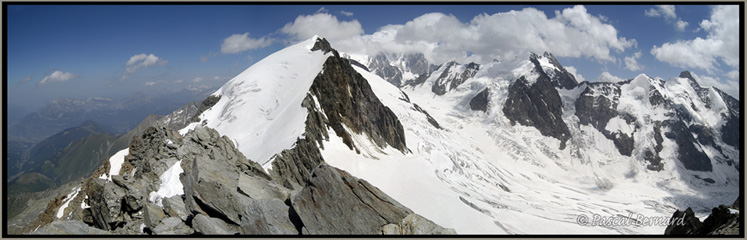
729,86
57,76
722,43
323,25
179,81
143,60
681,25
150,83
608,77
237,43
631,62
197,79
733,75
346,13
575,73
667,11
573,32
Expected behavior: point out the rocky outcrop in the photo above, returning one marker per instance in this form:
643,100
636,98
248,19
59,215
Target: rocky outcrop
721,221
689,154
206,104
730,130
453,75
480,101
334,202
596,105
537,105
219,191
559,77
347,98
341,99
393,67
68,227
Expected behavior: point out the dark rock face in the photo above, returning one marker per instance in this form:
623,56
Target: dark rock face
538,105
720,222
383,65
653,158
383,69
690,225
596,105
206,104
292,167
344,98
431,120
480,101
334,202
730,131
448,80
689,154
347,98
561,78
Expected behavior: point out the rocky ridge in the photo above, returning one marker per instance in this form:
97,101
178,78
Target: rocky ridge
222,192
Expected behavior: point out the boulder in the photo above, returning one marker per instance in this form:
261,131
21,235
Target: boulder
105,199
267,216
334,202
153,214
172,226
174,207
212,226
257,187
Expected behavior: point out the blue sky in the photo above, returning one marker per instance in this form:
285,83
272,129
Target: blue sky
114,51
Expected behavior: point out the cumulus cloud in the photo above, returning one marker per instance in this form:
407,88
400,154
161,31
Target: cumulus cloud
722,43
57,76
143,61
346,13
179,81
197,79
608,77
667,12
681,25
575,73
729,86
734,75
631,62
572,32
150,83
324,25
237,43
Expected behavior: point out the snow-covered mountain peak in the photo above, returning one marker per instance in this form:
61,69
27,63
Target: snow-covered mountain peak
260,109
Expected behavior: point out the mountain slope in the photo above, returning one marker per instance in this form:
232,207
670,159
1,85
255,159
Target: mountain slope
225,193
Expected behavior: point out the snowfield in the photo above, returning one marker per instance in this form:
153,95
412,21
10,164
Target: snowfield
260,108
482,175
